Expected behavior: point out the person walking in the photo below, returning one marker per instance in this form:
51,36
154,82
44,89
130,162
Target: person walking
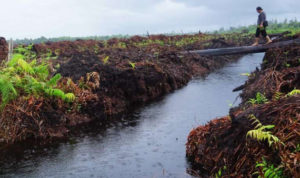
262,24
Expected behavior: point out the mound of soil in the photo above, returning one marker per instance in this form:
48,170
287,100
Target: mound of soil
111,77
3,49
221,145
123,87
137,70
41,118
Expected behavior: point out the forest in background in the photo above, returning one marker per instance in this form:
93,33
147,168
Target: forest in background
274,27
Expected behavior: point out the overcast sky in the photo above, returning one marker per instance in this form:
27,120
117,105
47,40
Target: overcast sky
53,18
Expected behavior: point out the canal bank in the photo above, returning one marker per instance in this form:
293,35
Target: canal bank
148,143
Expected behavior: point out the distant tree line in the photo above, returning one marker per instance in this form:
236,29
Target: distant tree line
43,39
274,27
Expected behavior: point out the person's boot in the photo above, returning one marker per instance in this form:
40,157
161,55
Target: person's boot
255,42
268,40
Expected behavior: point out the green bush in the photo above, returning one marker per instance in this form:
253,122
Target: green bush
259,99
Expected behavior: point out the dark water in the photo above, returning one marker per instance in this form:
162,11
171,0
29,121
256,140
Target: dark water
150,143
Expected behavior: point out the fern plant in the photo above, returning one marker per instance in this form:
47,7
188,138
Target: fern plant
267,170
132,64
8,92
277,96
220,171
293,92
21,78
261,133
105,60
259,99
26,51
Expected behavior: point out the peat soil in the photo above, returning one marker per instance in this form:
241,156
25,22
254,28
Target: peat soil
221,145
109,79
149,142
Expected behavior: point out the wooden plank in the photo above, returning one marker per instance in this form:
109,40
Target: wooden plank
10,50
242,49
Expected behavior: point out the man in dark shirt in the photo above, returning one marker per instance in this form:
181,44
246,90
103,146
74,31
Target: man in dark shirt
261,27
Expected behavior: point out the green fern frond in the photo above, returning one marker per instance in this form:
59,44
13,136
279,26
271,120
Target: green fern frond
69,97
277,96
33,63
7,90
55,92
259,99
293,92
255,121
18,62
8,70
41,71
258,124
267,127
32,86
252,101
53,81
14,60
25,66
261,133
269,171
105,60
132,64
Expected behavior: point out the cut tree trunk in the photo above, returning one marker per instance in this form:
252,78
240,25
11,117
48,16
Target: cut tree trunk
242,49
3,49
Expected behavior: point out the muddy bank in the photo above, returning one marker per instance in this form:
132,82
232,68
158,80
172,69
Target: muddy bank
222,146
129,145
122,86
109,78
3,49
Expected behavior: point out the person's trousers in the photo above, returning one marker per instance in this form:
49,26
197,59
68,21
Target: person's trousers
261,31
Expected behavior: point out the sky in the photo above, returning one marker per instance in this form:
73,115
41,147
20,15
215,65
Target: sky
78,18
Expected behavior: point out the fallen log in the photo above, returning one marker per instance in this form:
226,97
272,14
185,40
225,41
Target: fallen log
242,49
